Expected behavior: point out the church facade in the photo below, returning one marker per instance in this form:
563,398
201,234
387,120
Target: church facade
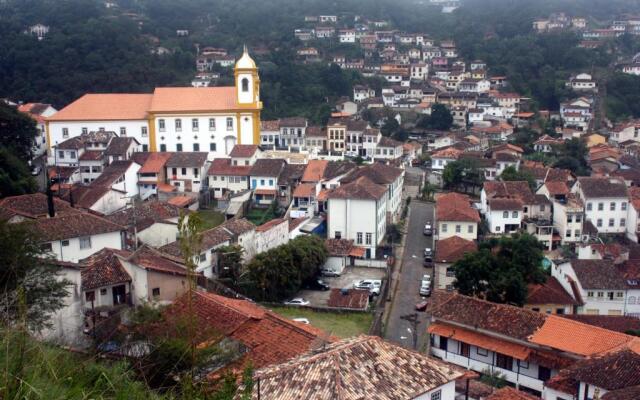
211,119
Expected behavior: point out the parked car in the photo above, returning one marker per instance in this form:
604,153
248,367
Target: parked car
425,290
422,306
428,252
329,272
428,262
428,230
298,301
316,284
302,320
372,285
426,278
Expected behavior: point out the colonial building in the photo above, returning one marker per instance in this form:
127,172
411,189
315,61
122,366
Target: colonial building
211,119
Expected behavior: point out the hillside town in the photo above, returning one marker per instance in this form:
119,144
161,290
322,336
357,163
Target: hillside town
438,236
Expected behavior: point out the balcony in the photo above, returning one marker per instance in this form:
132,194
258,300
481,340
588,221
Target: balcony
479,366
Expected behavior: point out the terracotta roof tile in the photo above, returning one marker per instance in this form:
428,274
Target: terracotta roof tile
617,323
314,171
222,166
193,99
602,187
73,225
271,224
238,226
91,155
550,292
354,299
273,125
210,239
378,173
498,204
118,146
187,159
613,371
452,249
305,190
354,369
111,173
271,167
628,393
509,393
154,163
561,333
153,260
338,247
104,268
362,188
243,151
105,107
598,274
455,207
32,206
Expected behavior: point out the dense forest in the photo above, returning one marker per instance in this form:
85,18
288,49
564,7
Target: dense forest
94,48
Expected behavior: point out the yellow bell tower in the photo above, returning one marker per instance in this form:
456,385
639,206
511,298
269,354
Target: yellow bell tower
248,98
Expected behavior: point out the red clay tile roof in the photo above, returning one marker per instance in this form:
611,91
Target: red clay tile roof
499,204
500,318
154,163
354,299
362,188
629,393
271,224
272,125
291,174
73,225
105,107
618,323
243,150
378,173
112,173
613,371
118,146
602,187
271,167
85,196
598,274
145,214
452,249
270,338
355,368
210,239
557,188
91,155
455,207
296,222
193,99
509,189
509,393
314,171
181,201
153,260
238,226
32,206
448,152
561,333
305,190
514,350
104,268
222,166
338,247
187,159
550,292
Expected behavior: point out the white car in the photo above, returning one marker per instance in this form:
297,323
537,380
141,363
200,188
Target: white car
298,301
428,252
372,285
302,320
329,272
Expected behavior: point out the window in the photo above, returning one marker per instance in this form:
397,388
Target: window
576,233
178,124
600,206
469,228
270,182
155,292
103,292
163,147
589,206
599,223
482,352
620,294
338,235
179,147
436,395
504,362
589,294
194,124
196,147
568,234
145,147
514,214
542,208
85,131
65,243
195,172
612,206
65,132
623,222
368,238
498,228
212,147
90,296
245,84
61,155
123,131
72,154
623,206
161,126
600,294
85,242
611,222
212,124
578,218
144,131
359,238
183,171
444,227
569,219
505,214
458,228
229,124
202,257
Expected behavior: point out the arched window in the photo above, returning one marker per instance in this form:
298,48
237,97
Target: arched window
245,84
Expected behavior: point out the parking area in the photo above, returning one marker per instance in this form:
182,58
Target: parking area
319,298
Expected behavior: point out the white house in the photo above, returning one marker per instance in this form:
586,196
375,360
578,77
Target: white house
271,234
211,119
357,211
154,223
456,217
361,93
441,158
263,178
582,82
606,203
187,171
77,235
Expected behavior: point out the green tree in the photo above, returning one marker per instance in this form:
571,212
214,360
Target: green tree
230,263
511,174
462,175
440,118
278,273
18,132
501,269
15,177
572,155
390,126
30,281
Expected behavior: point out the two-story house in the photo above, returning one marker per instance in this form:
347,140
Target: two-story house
187,171
606,203
292,132
263,178
448,251
152,174
225,178
456,217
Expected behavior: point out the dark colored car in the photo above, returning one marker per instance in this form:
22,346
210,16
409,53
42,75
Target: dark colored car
317,284
422,306
428,262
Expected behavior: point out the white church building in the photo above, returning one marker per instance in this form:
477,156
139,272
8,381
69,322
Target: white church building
212,119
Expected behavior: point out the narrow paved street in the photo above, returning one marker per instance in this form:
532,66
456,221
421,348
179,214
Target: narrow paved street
399,329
